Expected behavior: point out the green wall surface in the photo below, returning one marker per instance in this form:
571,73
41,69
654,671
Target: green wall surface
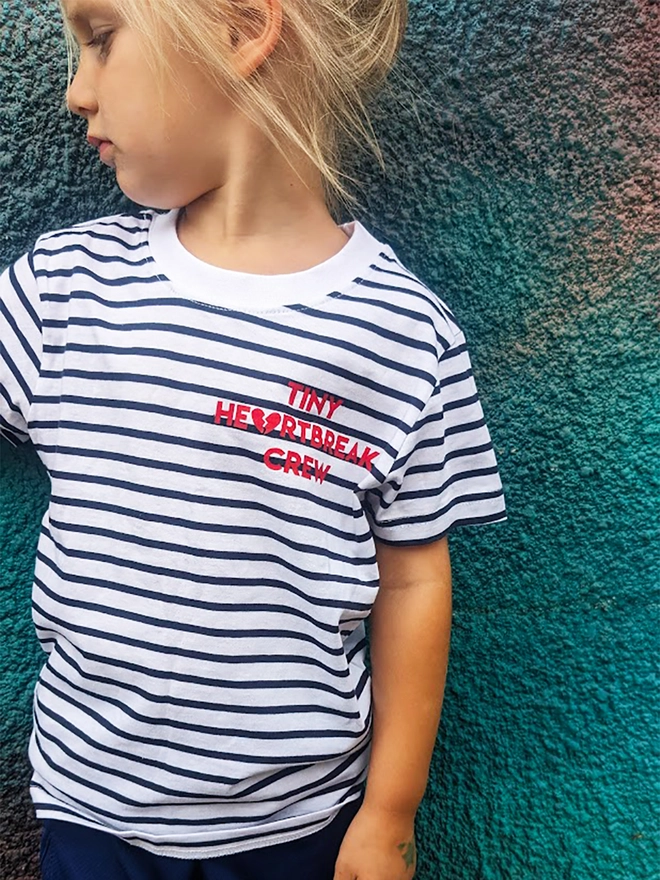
521,139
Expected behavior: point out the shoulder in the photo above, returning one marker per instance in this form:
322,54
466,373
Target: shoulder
120,226
116,236
394,288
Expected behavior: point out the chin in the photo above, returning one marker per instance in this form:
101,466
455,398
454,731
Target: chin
146,201
148,197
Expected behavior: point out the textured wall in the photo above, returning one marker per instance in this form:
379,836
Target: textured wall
523,184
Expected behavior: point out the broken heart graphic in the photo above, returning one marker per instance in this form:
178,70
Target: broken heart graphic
263,424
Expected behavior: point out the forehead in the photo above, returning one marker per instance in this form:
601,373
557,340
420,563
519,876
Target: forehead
84,10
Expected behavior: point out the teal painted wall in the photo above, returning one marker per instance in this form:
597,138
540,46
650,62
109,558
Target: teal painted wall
523,185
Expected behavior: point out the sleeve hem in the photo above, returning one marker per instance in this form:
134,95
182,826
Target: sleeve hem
436,536
14,440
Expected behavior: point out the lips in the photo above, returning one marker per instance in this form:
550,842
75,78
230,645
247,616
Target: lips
103,146
95,141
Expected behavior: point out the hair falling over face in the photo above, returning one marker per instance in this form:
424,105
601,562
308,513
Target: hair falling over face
310,94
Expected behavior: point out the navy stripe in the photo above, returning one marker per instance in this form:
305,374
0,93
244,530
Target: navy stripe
465,428
116,221
78,247
207,580
212,527
188,849
230,708
443,342
213,731
465,452
11,406
449,431
23,298
387,306
98,236
231,395
147,672
20,336
455,378
46,811
177,441
359,350
360,646
438,441
12,435
140,818
450,405
177,651
168,744
243,503
457,349
422,295
142,760
89,782
362,683
123,281
436,492
166,598
192,416
208,473
378,330
235,342
106,769
437,514
162,623
16,373
445,311
368,354
27,349
300,789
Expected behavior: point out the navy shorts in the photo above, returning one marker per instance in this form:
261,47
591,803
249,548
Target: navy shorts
73,852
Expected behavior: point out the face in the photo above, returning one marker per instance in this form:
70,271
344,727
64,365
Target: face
168,145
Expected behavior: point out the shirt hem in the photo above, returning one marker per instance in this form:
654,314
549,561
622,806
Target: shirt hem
194,850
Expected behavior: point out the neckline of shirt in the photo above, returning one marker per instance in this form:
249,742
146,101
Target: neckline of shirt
228,289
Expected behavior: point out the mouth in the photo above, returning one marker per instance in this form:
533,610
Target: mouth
103,146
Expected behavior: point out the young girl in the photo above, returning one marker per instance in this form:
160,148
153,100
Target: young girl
259,428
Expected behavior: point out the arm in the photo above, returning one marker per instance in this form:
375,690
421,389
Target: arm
410,626
21,349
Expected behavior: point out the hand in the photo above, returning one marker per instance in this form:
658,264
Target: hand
377,846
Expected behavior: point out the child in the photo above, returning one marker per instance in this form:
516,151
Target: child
259,428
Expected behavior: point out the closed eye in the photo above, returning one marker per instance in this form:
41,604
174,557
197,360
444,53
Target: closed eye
100,41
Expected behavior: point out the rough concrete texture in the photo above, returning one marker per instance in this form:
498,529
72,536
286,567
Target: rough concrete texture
522,143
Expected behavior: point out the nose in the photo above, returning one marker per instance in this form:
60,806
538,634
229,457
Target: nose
81,96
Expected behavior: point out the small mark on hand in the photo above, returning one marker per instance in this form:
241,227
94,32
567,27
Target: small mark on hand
407,851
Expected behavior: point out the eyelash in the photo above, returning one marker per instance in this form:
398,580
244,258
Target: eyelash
100,41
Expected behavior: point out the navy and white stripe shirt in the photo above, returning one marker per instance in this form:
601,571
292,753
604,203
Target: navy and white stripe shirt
223,449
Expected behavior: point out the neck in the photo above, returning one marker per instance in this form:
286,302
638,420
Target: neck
266,218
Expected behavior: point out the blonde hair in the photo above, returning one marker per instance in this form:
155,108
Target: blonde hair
312,92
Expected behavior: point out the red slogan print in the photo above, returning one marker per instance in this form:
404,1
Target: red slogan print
287,427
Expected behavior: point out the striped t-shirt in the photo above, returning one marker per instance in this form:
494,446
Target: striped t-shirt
223,449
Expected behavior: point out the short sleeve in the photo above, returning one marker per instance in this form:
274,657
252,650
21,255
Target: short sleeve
20,348
445,474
